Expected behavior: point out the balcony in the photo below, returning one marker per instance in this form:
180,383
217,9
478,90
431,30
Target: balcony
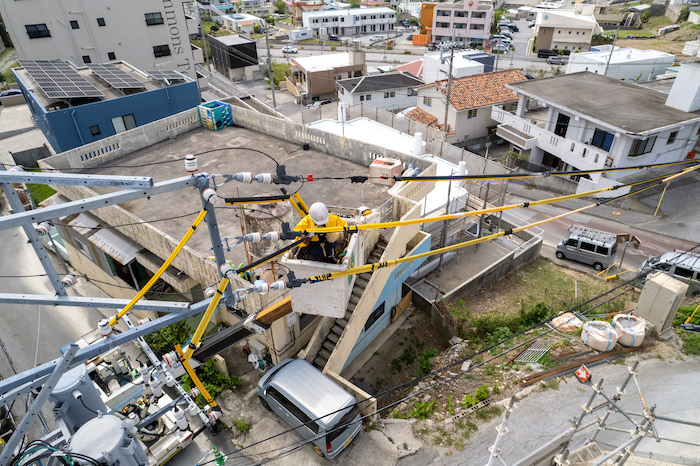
197,55
518,131
192,25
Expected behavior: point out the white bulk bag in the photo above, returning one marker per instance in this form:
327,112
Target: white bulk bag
599,335
630,329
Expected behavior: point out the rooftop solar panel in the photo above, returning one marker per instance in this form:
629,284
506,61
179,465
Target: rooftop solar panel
116,77
59,80
163,75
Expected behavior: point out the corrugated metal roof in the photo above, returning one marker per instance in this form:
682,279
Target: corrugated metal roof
84,223
120,248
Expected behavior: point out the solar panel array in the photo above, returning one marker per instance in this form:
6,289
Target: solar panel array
163,75
59,80
116,77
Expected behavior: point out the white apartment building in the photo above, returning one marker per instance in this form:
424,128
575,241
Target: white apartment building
584,121
390,91
436,66
470,21
627,64
351,21
148,34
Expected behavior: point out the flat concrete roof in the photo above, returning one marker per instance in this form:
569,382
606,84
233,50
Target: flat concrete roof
626,55
327,61
369,131
297,161
626,106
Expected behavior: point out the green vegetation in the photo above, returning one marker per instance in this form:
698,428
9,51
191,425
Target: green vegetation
450,405
257,29
468,401
691,341
163,341
691,344
354,3
422,410
488,413
413,20
5,36
207,26
8,76
241,425
424,361
6,52
482,393
333,47
214,381
40,192
280,71
649,28
497,15
407,52
552,384
280,7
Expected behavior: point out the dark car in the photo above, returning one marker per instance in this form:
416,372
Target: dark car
544,53
432,47
513,28
10,92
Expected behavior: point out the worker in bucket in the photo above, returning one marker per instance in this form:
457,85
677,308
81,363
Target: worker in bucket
321,246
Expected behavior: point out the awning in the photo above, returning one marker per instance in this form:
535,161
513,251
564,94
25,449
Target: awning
120,248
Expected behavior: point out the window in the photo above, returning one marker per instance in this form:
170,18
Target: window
442,25
642,146
161,50
428,101
587,246
343,424
293,409
362,98
153,19
389,95
672,137
74,25
682,272
368,97
124,123
111,56
602,250
374,316
83,248
36,31
86,59
471,113
571,242
100,22
95,130
478,15
477,27
412,92
602,139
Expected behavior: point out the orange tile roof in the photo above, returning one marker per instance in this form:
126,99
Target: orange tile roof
449,128
246,23
481,90
422,117
415,68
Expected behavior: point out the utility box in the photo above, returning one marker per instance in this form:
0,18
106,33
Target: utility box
659,301
385,168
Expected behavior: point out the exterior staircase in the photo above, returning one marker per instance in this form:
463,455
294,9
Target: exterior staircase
339,325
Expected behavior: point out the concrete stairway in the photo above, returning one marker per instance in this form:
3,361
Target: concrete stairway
340,324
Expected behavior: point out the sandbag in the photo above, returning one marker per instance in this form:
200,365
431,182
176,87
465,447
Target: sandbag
599,335
630,329
566,322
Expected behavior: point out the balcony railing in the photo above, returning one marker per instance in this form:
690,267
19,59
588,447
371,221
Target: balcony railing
527,135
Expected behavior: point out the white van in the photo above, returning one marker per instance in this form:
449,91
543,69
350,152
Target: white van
590,246
681,265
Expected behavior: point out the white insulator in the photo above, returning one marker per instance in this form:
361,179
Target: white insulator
68,280
255,237
278,285
271,236
113,385
194,393
244,177
16,168
210,292
191,163
264,178
91,367
155,387
104,328
261,286
213,415
227,270
144,320
42,229
210,196
169,381
180,418
170,359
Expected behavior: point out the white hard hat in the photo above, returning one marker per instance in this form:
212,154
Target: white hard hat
319,213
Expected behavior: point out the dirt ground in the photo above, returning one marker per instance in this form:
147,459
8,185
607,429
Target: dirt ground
672,42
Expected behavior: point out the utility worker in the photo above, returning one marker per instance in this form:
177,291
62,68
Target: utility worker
320,246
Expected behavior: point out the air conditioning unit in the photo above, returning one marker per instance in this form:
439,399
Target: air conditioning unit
257,348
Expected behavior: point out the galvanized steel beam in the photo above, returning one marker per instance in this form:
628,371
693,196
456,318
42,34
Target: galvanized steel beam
71,179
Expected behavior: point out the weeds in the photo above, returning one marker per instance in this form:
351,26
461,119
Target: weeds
241,425
482,393
552,384
424,361
450,405
486,414
691,344
422,410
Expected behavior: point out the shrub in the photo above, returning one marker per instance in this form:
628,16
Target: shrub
691,344
468,401
333,48
214,381
241,425
390,47
424,362
450,405
407,52
496,388
422,410
482,393
163,341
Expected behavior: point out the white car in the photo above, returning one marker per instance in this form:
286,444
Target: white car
289,49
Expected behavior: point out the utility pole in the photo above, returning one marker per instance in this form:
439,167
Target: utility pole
449,88
269,69
612,49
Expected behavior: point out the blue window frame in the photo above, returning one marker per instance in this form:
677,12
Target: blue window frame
602,139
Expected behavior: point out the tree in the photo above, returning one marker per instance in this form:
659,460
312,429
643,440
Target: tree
497,15
413,20
214,28
280,7
645,16
256,29
355,4
4,36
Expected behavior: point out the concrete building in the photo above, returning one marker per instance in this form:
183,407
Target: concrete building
627,64
352,21
113,107
471,100
470,21
313,78
565,30
436,65
301,34
242,23
390,91
617,124
148,34
299,8
257,7
692,48
235,57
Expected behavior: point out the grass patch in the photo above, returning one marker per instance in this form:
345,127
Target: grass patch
691,344
8,76
40,192
552,384
6,52
649,29
241,425
488,413
691,341
422,410
280,71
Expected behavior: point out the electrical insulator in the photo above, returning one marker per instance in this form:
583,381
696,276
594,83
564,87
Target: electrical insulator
210,196
227,270
155,387
171,359
271,236
191,163
169,381
16,168
180,418
251,238
210,292
261,286
213,414
244,177
278,285
42,229
264,178
194,393
144,320
104,327
68,280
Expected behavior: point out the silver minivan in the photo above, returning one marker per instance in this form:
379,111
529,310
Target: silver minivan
590,246
682,265
312,404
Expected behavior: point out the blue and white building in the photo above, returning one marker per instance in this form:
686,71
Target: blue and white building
352,21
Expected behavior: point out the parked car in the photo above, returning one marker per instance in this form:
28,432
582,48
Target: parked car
317,408
514,28
289,49
545,53
333,37
592,247
555,61
502,38
499,47
318,103
433,47
681,265
532,23
10,92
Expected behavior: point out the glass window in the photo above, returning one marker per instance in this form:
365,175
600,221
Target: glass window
344,422
672,137
83,248
471,113
124,123
36,31
95,130
602,250
100,22
571,242
161,50
388,95
642,146
587,246
683,272
86,59
369,97
153,19
602,139
362,98
374,316
111,56
428,101
74,25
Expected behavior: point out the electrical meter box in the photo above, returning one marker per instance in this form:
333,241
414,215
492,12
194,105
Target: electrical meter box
659,301
385,168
